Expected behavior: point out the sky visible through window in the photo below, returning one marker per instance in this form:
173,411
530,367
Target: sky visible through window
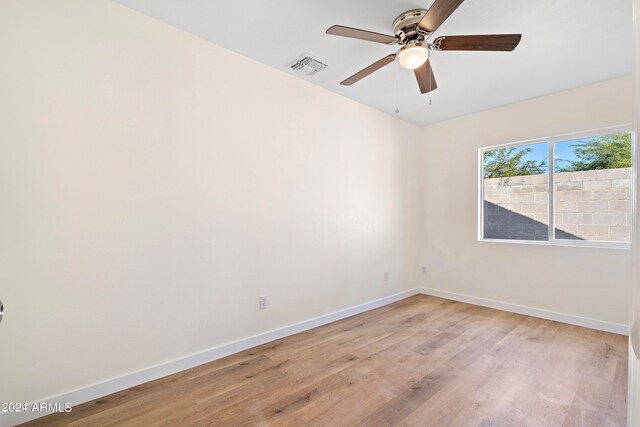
563,151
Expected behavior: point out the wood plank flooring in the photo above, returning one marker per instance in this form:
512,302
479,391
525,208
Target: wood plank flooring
423,361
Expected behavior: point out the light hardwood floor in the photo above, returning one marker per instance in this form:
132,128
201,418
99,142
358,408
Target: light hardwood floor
423,361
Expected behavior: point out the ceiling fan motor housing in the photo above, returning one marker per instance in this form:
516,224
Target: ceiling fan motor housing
405,26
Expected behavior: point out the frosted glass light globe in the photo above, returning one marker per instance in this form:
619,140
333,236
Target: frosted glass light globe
413,55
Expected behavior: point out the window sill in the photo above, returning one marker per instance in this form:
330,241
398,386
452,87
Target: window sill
562,243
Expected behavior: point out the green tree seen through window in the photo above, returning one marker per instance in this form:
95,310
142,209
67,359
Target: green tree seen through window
602,152
506,162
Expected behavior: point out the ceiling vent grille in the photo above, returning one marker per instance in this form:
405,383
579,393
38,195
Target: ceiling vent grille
308,65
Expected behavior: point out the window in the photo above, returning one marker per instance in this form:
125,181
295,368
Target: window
572,190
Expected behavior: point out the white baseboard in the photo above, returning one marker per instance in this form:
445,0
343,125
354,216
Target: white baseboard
586,322
114,385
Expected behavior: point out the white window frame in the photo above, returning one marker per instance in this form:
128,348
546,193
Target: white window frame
551,141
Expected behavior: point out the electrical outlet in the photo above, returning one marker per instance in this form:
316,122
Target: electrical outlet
424,270
263,302
386,276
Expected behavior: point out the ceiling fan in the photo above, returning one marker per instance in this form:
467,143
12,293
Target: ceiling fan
412,29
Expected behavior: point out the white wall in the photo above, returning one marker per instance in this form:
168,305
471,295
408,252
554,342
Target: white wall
153,185
634,362
584,282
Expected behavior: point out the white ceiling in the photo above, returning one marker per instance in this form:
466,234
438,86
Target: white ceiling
565,44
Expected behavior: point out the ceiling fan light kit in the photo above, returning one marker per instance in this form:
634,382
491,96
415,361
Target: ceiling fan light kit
413,54
412,30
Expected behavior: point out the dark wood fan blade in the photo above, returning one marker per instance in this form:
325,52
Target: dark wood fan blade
426,80
370,69
437,14
355,33
501,42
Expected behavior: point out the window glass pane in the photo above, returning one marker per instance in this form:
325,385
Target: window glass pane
516,193
593,188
